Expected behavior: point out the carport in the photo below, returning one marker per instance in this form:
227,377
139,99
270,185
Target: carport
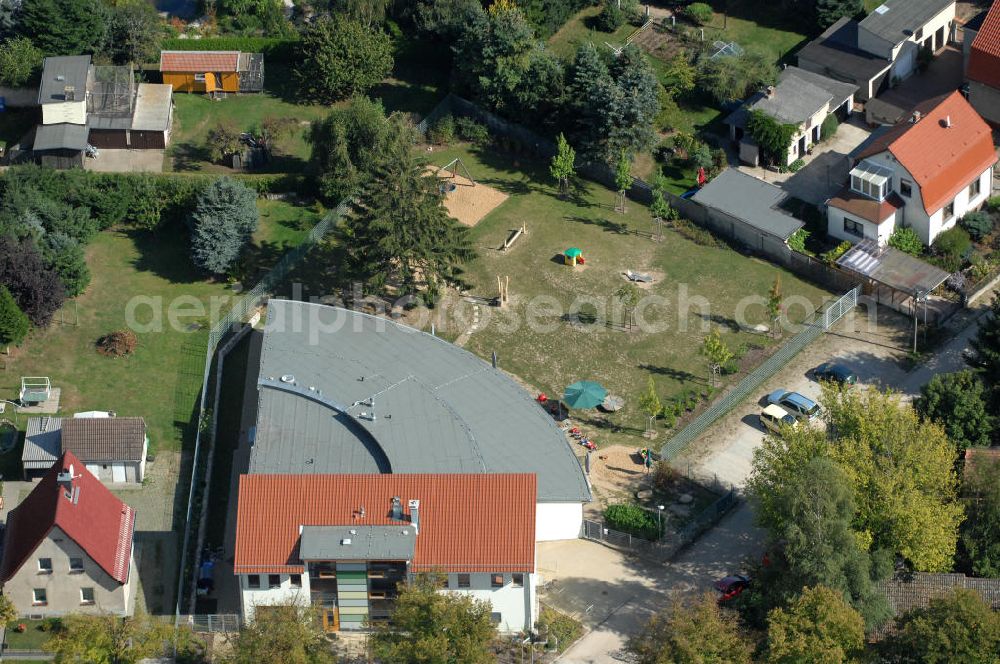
894,278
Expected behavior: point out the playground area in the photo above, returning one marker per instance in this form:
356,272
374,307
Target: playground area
465,199
562,323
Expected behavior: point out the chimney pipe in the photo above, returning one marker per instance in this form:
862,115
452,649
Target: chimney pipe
415,515
396,513
947,121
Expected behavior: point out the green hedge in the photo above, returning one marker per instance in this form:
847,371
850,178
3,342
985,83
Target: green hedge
274,49
134,199
632,519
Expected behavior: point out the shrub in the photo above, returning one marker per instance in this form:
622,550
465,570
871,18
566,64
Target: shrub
472,131
632,519
700,156
993,204
558,629
798,240
829,127
696,234
699,12
830,257
907,241
120,343
793,167
977,224
953,245
614,14
664,476
443,131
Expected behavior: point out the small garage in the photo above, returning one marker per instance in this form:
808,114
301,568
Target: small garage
112,448
60,145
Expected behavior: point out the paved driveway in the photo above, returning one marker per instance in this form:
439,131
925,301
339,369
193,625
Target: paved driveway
126,161
825,170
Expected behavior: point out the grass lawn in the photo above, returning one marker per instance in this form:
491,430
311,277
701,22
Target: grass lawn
581,28
758,25
160,382
32,638
560,350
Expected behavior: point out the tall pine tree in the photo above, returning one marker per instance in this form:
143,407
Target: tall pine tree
222,223
829,11
64,27
401,234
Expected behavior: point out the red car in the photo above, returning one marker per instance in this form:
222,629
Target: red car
731,586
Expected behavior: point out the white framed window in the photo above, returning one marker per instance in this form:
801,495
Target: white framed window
45,565
517,580
200,78
253,581
464,581
295,580
975,188
273,581
949,211
86,596
76,564
853,227
496,580
906,188
39,597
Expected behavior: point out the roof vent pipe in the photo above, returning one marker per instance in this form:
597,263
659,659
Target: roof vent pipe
947,121
396,513
414,506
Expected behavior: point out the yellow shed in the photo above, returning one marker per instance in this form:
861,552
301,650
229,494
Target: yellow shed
212,71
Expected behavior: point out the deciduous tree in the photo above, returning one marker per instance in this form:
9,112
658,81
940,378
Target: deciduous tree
628,296
957,402
429,626
980,532
623,178
715,350
134,33
809,509
563,165
774,138
819,627
20,60
224,219
829,11
903,473
37,290
338,57
959,627
346,146
649,404
691,630
285,633
13,328
109,639
734,77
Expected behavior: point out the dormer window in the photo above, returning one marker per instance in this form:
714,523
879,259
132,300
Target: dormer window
871,180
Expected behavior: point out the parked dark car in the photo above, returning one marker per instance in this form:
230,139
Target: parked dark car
731,586
835,372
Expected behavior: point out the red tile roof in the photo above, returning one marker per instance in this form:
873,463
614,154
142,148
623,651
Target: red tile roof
98,522
943,160
199,62
866,208
468,523
984,58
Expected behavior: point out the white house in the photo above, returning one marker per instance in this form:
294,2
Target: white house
881,48
801,98
925,173
344,543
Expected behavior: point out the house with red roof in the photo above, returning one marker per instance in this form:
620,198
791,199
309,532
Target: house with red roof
68,547
924,173
983,69
343,543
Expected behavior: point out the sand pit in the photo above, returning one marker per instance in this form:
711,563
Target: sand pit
468,201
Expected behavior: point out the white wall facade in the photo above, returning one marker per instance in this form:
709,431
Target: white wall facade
835,218
558,521
250,598
518,607
72,112
964,202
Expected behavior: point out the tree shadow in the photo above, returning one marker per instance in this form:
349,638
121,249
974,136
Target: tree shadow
677,374
718,319
279,81
167,255
189,157
608,225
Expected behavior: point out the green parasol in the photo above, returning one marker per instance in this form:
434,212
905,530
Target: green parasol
584,394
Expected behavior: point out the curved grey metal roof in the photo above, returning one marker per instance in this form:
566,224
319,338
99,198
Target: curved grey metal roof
344,392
